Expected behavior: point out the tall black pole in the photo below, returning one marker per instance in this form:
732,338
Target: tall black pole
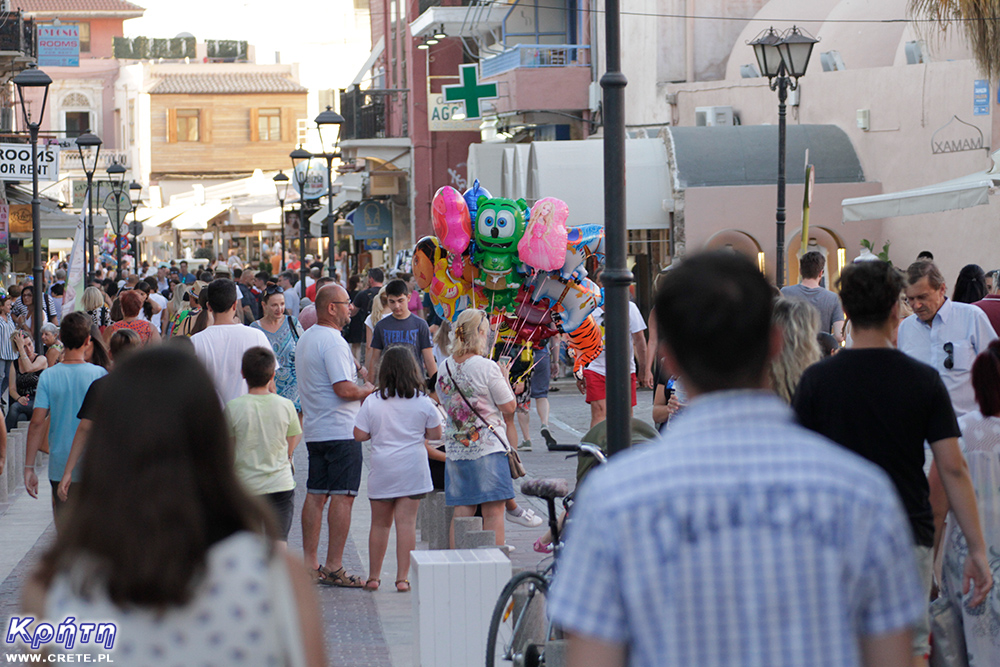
89,273
329,208
303,270
118,237
281,205
135,242
616,277
36,239
779,217
86,231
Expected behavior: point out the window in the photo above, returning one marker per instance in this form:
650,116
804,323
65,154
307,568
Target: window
187,125
77,123
269,125
84,29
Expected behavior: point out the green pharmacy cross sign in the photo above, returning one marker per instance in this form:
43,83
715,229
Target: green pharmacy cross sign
470,90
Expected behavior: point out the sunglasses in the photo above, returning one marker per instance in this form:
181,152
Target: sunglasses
949,361
273,289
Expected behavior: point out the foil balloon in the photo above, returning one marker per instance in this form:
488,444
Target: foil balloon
450,295
472,196
452,222
581,243
571,302
543,245
427,251
587,342
500,224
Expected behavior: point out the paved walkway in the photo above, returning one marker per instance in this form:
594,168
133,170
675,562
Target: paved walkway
362,629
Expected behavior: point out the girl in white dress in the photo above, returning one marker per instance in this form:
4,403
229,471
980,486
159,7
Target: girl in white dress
398,418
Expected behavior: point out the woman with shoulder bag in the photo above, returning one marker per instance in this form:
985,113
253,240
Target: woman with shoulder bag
480,404
283,332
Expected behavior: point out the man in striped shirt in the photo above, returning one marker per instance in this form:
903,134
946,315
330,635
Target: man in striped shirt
739,538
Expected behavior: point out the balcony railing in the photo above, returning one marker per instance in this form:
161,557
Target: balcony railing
69,158
373,114
17,34
427,4
535,56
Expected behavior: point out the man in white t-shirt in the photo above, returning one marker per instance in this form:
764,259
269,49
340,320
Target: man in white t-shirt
593,383
161,301
331,397
221,346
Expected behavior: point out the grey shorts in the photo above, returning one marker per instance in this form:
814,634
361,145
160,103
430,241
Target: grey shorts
922,630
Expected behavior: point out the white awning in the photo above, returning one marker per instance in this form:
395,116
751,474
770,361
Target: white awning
959,193
271,216
372,58
163,215
351,189
198,217
573,171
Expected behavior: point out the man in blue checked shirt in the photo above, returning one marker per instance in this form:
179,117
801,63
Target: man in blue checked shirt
739,538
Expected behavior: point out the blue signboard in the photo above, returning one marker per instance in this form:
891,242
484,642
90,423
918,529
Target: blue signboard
374,244
372,219
58,46
981,98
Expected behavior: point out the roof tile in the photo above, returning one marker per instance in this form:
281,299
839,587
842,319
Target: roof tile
77,6
225,84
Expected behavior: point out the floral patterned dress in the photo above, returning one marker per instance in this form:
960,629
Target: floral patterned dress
283,342
981,446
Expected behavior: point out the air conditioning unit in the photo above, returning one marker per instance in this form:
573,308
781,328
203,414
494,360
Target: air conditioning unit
713,116
832,61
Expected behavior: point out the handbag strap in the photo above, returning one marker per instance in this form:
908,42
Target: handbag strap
503,440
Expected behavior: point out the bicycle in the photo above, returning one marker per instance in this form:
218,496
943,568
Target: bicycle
519,629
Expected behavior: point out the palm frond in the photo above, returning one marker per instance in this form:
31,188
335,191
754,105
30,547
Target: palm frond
979,21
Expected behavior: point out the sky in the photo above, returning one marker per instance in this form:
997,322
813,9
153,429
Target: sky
325,37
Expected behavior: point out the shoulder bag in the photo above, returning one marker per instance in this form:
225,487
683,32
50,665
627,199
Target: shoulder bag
513,458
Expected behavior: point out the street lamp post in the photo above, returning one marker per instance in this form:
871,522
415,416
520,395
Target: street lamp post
301,157
116,174
783,59
616,277
35,78
134,192
93,143
329,117
281,179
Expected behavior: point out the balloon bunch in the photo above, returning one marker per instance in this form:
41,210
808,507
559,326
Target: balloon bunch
523,266
107,245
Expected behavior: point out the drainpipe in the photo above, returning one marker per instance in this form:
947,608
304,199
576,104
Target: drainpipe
689,41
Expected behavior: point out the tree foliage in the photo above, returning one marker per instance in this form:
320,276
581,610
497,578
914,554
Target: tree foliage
979,21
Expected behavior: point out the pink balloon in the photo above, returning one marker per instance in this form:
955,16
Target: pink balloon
452,222
543,245
307,317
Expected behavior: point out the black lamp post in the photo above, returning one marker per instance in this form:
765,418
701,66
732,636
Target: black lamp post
35,78
116,174
329,117
301,156
782,58
281,179
616,277
93,143
134,193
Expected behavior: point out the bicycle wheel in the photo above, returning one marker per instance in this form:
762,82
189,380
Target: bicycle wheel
519,627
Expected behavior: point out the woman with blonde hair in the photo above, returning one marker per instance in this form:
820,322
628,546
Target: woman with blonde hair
379,304
93,302
476,395
799,323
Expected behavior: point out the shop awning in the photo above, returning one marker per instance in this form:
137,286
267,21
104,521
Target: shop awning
573,171
351,190
959,193
161,216
373,57
199,217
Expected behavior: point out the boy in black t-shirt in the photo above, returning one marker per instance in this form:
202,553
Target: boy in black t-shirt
882,404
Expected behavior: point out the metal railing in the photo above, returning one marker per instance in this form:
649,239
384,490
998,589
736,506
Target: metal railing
533,56
69,158
17,34
373,114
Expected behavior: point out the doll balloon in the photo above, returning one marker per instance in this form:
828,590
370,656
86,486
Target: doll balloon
543,245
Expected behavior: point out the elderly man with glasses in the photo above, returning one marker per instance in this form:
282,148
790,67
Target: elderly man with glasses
942,333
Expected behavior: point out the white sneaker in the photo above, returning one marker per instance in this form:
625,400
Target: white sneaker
525,517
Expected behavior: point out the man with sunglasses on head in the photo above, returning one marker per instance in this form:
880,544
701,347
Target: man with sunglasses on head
943,333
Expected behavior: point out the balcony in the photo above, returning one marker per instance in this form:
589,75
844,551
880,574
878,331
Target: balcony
17,35
373,114
533,56
465,18
69,159
540,77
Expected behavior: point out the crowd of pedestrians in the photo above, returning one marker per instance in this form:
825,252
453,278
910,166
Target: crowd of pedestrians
827,464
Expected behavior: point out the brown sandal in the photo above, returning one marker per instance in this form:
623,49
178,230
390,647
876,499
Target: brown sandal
405,588
339,578
369,587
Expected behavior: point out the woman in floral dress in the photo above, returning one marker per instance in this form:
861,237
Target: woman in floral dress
476,468
283,333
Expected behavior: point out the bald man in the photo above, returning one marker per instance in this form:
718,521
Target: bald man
331,397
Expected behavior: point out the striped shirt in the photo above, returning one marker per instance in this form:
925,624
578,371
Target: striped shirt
739,538
20,310
7,351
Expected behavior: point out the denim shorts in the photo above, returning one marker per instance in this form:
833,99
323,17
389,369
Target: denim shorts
334,467
476,481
